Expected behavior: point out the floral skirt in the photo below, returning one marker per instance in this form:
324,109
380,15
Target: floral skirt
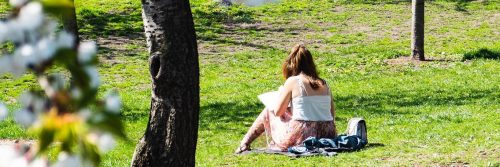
286,132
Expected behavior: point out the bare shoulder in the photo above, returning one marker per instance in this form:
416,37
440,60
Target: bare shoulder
290,82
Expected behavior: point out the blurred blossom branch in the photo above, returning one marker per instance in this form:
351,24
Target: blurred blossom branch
66,116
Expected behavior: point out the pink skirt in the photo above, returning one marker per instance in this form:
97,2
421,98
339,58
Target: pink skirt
285,132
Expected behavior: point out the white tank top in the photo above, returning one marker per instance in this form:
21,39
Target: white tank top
311,108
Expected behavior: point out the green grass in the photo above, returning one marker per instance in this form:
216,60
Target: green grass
439,112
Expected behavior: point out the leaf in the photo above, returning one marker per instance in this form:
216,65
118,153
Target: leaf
57,3
90,152
47,133
58,7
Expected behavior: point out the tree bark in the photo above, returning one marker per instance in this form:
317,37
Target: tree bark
417,33
172,131
70,24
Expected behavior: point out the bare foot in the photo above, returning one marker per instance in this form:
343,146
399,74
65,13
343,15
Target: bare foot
241,149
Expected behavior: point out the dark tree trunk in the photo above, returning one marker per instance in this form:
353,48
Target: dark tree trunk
417,33
70,24
172,132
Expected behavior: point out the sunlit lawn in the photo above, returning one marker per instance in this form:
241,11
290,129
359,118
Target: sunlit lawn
440,112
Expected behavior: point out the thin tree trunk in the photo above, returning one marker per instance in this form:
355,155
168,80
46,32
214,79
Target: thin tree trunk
417,33
70,24
172,131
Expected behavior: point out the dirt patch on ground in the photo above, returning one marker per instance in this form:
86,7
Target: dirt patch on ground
493,20
128,45
339,9
409,61
258,36
403,60
457,164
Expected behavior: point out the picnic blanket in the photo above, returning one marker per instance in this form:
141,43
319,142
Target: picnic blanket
354,139
318,147
286,153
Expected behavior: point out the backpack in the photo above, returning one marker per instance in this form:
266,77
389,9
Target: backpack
357,127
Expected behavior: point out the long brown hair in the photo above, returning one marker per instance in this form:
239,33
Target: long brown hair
300,61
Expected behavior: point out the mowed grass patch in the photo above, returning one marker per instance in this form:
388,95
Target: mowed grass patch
431,113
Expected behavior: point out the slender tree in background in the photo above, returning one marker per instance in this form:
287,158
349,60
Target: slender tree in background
69,22
172,131
417,33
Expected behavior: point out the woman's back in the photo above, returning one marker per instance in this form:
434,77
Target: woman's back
322,89
310,104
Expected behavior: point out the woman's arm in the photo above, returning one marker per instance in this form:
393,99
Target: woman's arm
332,109
284,98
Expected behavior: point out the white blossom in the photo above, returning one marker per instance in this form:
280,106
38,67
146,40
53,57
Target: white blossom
37,40
28,56
47,87
5,64
4,31
31,16
98,117
26,99
39,162
93,75
84,113
13,31
86,51
106,142
18,65
8,154
113,103
75,93
46,48
49,27
93,137
3,111
17,3
19,162
65,40
38,105
52,84
66,160
58,81
24,117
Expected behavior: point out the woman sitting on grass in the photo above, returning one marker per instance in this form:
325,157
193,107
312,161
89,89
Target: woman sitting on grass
312,111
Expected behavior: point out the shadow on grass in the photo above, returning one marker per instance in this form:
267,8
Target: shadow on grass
229,112
110,46
209,18
118,31
214,23
367,147
101,23
374,145
232,112
437,60
482,54
461,6
366,105
134,116
377,104
374,2
244,43
235,32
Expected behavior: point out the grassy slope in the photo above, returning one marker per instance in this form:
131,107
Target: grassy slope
438,112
